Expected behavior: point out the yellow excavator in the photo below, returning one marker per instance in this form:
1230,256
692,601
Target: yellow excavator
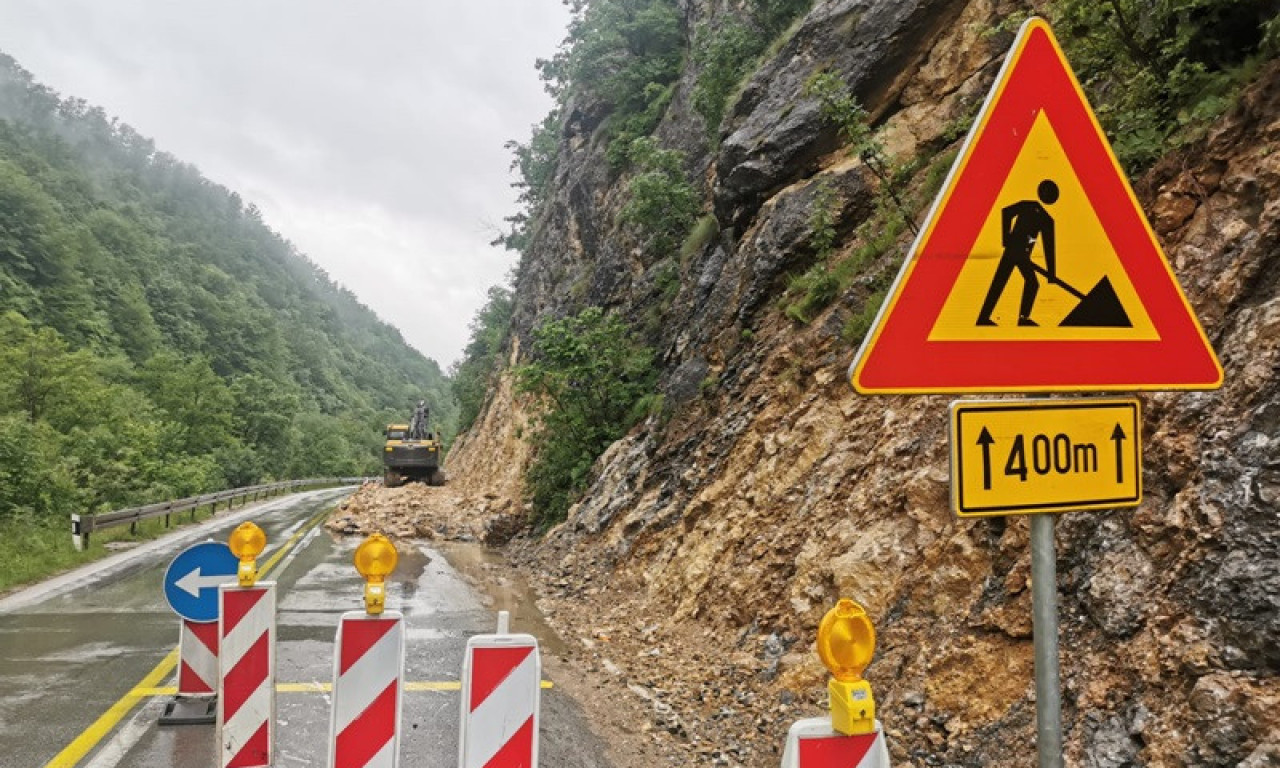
412,452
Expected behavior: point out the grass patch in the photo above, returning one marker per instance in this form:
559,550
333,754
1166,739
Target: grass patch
33,550
704,229
856,327
815,289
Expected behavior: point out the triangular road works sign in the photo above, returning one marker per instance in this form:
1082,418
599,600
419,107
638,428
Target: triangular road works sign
1036,269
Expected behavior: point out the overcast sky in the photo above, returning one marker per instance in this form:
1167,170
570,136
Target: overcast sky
370,134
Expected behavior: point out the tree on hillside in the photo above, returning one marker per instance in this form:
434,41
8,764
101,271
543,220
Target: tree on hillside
37,368
470,374
594,377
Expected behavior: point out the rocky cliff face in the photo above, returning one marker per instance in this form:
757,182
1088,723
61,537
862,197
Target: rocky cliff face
718,533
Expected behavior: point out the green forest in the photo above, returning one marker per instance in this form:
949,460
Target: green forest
158,340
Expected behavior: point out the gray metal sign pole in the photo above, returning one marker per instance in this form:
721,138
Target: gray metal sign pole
1044,624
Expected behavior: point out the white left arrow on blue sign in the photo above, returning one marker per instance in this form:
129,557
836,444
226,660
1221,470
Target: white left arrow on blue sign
191,581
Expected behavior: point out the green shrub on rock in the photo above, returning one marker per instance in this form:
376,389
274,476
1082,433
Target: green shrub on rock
595,379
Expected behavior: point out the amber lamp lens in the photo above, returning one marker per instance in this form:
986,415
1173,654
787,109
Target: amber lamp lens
376,557
846,641
247,541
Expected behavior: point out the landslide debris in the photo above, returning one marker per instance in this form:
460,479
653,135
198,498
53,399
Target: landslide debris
411,511
418,510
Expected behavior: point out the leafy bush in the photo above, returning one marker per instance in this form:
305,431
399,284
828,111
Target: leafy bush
470,375
626,128
662,204
626,54
724,55
1158,70
838,104
817,287
594,378
774,16
727,52
536,163
622,52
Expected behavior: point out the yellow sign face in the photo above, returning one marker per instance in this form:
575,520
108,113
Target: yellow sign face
1036,269
1063,237
1029,456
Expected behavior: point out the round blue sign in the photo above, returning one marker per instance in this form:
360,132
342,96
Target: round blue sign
192,579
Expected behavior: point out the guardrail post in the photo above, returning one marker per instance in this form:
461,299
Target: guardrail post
80,533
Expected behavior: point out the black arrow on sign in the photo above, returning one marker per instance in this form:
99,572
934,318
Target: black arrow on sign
985,440
1119,436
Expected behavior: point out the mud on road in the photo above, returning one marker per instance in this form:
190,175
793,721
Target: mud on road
638,729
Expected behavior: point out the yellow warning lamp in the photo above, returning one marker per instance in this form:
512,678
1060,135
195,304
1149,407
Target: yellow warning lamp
375,560
247,542
846,643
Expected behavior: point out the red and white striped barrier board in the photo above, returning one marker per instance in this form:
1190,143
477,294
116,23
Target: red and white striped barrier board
813,743
501,691
368,675
198,659
247,671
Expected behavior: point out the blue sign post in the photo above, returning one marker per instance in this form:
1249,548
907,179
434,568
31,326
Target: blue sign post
192,579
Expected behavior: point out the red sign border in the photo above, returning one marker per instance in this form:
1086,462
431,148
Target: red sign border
898,357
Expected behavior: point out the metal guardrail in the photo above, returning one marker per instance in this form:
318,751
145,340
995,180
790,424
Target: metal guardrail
83,525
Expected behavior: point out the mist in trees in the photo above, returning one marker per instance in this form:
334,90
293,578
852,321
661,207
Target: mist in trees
157,339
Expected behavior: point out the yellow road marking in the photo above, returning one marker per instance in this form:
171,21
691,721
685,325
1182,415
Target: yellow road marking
95,733
442,685
74,752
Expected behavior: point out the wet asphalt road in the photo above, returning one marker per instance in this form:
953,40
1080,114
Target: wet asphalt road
66,660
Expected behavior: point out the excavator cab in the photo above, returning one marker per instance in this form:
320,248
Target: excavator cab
409,458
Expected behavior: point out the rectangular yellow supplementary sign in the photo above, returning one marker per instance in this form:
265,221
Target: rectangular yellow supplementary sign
1027,456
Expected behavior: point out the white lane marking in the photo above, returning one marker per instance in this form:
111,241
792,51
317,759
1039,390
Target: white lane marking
301,545
111,754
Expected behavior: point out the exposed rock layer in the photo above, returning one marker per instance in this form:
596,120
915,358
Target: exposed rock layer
716,536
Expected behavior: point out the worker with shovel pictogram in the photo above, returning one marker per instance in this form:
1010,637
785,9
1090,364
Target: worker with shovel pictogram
1022,224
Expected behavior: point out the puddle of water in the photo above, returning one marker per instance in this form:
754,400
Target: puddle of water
504,590
423,633
424,584
88,652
